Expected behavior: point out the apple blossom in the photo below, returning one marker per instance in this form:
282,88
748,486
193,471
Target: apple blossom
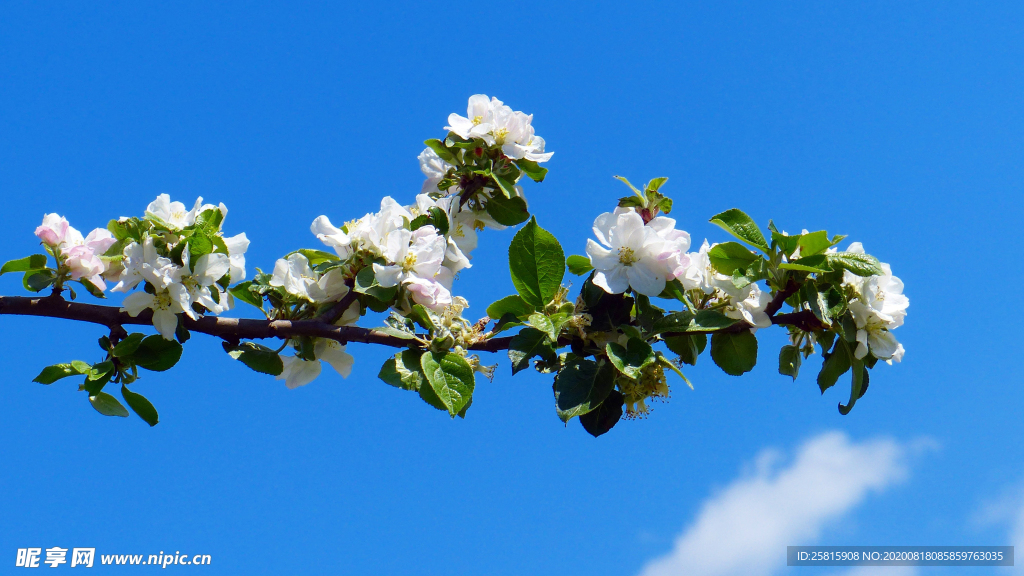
630,257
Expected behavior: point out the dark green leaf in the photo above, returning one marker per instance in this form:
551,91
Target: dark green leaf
107,405
858,385
51,374
38,280
439,219
836,364
737,223
91,288
605,416
260,358
528,343
581,386
532,169
366,283
140,405
688,346
789,361
450,377
704,321
537,264
33,262
128,346
817,263
578,265
242,292
156,354
514,305
735,353
441,150
508,211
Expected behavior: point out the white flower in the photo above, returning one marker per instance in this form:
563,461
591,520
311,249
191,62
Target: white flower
197,285
477,122
237,246
748,304
677,242
414,254
630,256
298,372
430,293
142,262
297,278
435,169
174,215
878,307
165,308
368,233
699,275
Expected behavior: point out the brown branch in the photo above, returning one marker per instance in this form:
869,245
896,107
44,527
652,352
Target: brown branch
230,329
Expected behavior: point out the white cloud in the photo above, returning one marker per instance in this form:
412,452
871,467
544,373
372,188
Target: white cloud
744,530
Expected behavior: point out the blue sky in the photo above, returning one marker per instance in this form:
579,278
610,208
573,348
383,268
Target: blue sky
899,125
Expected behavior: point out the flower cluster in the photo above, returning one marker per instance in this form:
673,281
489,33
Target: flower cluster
498,125
78,256
181,260
878,306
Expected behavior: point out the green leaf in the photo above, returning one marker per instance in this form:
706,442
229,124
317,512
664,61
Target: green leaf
537,264
817,263
731,256
789,361
260,358
514,305
735,353
631,359
140,405
581,386
156,354
440,219
859,264
129,345
655,184
836,364
91,288
528,343
508,189
688,346
422,316
630,202
315,257
703,321
242,292
532,169
51,374
737,223
814,243
627,183
450,377
858,385
441,150
508,211
404,371
33,262
366,283
107,405
578,265
604,417
38,280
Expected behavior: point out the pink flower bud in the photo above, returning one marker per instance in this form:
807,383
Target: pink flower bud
52,230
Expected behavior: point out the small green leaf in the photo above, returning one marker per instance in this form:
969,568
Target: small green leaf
735,353
737,223
528,343
858,385
688,346
128,346
631,359
514,305
544,324
315,257
532,169
440,220
655,184
508,211
257,357
817,263
156,354
107,405
814,243
537,264
51,374
38,280
729,257
441,150
859,264
789,361
33,262
836,364
703,321
578,265
404,371
581,386
242,292
140,405
627,183
91,288
366,283
605,416
450,377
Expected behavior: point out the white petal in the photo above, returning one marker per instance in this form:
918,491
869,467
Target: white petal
166,323
136,302
334,354
388,276
646,278
613,281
